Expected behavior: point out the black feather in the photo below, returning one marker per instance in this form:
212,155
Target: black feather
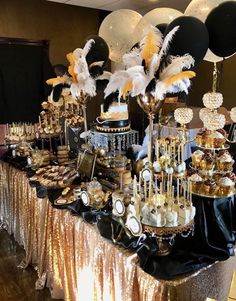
101,84
151,86
109,100
57,90
95,71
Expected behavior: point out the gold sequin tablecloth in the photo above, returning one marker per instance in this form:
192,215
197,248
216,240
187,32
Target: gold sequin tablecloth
76,263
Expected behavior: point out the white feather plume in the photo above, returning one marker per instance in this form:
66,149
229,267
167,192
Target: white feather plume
166,44
131,59
160,90
178,86
177,65
117,82
153,65
87,87
104,76
88,46
100,64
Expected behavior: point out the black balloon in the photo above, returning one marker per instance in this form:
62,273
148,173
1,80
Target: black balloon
99,50
221,25
162,27
191,37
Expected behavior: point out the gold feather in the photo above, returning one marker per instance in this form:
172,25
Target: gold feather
127,87
180,76
55,81
71,59
150,46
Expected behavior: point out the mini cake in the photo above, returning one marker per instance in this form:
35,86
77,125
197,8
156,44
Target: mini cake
197,157
196,181
171,218
185,214
210,187
116,119
225,162
207,162
226,186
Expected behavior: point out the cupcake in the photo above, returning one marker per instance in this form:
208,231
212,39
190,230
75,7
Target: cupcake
198,138
197,157
201,137
225,162
215,139
217,176
207,162
210,187
196,181
226,186
231,176
219,139
207,138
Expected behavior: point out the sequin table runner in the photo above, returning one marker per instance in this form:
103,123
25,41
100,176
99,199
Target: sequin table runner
76,263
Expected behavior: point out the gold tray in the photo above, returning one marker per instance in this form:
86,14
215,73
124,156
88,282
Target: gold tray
215,196
165,231
207,171
225,146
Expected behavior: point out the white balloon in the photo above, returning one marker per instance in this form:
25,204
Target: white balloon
200,9
117,29
155,17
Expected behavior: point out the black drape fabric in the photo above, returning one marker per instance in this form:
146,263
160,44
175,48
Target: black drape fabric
23,72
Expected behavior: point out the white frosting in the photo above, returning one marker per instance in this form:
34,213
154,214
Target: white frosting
171,218
216,135
195,178
226,182
225,158
116,107
185,215
198,153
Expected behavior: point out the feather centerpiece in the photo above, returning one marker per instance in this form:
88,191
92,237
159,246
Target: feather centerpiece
149,69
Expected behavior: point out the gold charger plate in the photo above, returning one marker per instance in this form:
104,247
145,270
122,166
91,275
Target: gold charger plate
215,196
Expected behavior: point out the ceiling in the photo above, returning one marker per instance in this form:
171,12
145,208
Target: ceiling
142,6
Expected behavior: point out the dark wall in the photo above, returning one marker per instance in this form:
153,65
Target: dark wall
66,26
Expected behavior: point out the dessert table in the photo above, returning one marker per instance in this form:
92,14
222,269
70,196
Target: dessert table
76,263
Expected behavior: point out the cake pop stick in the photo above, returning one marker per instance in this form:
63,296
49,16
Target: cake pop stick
145,190
178,190
161,188
157,150
121,181
140,182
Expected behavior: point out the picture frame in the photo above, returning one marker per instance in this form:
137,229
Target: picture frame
86,163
